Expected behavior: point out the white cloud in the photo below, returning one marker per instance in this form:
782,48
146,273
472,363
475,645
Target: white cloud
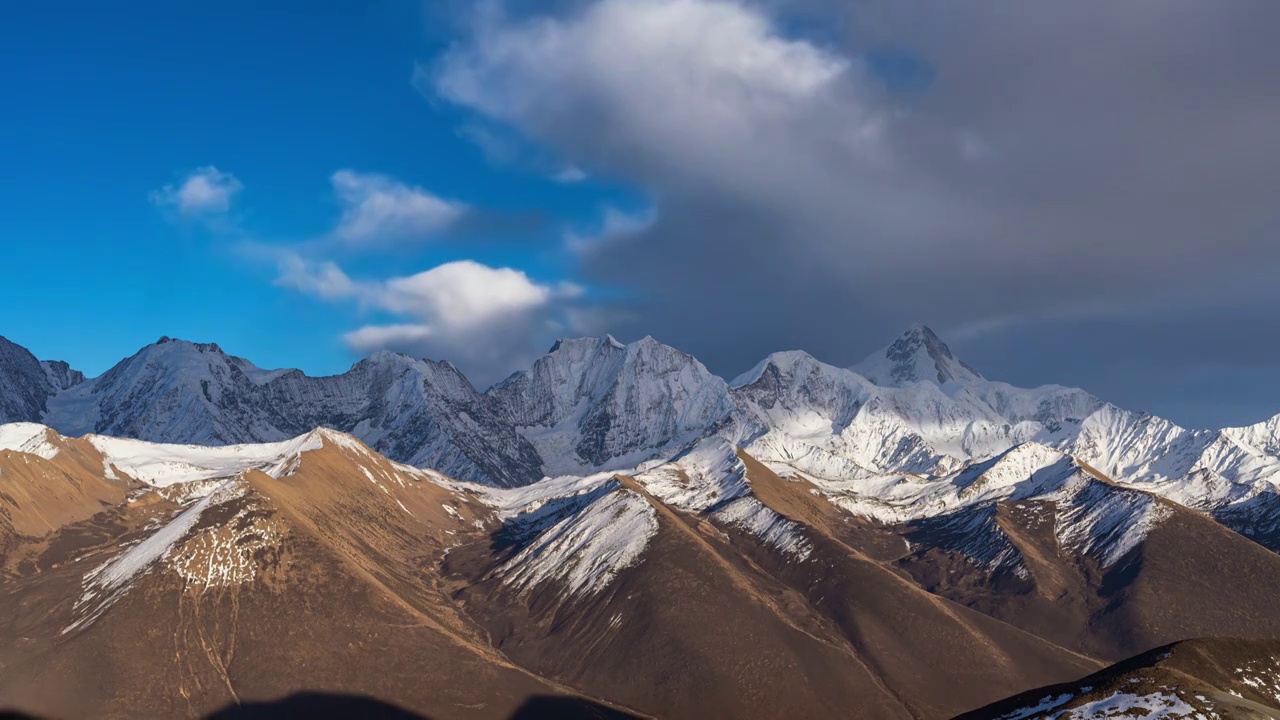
700,87
324,280
464,295
206,191
488,321
711,109
379,209
371,338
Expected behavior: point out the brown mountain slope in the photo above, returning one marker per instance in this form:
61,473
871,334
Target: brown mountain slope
1188,577
717,619
939,657
688,632
708,587
1227,679
265,588
43,492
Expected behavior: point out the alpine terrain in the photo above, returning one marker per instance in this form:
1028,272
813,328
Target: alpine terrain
618,532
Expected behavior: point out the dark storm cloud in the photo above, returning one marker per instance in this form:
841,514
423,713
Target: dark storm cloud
1099,171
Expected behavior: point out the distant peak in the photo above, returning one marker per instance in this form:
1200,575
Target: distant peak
200,347
784,361
397,362
916,355
385,356
585,342
650,347
789,357
920,330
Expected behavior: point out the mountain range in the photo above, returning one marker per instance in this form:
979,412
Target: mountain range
617,531
594,404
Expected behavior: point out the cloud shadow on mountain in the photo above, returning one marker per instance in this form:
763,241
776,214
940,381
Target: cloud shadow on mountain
333,706
319,706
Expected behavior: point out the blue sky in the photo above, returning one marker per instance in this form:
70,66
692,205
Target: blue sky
105,109
305,183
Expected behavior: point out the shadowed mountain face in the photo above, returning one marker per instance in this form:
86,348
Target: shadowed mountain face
1189,576
1213,678
330,706
318,706
26,384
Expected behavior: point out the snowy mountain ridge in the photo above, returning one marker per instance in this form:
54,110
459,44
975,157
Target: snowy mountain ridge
595,404
415,411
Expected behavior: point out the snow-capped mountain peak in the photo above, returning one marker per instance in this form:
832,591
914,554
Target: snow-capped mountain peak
785,362
917,355
593,403
188,390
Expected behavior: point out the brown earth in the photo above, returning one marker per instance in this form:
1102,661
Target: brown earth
1192,577
39,496
326,611
361,587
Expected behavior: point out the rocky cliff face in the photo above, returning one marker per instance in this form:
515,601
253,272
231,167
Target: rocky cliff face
26,384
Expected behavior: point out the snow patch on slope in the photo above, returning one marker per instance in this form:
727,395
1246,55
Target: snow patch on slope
225,555
753,516
711,478
1104,522
1263,675
587,549
27,438
1024,472
521,503
1152,706
708,475
111,580
1093,517
161,465
1047,703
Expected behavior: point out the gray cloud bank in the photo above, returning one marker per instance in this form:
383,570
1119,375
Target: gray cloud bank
1080,192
